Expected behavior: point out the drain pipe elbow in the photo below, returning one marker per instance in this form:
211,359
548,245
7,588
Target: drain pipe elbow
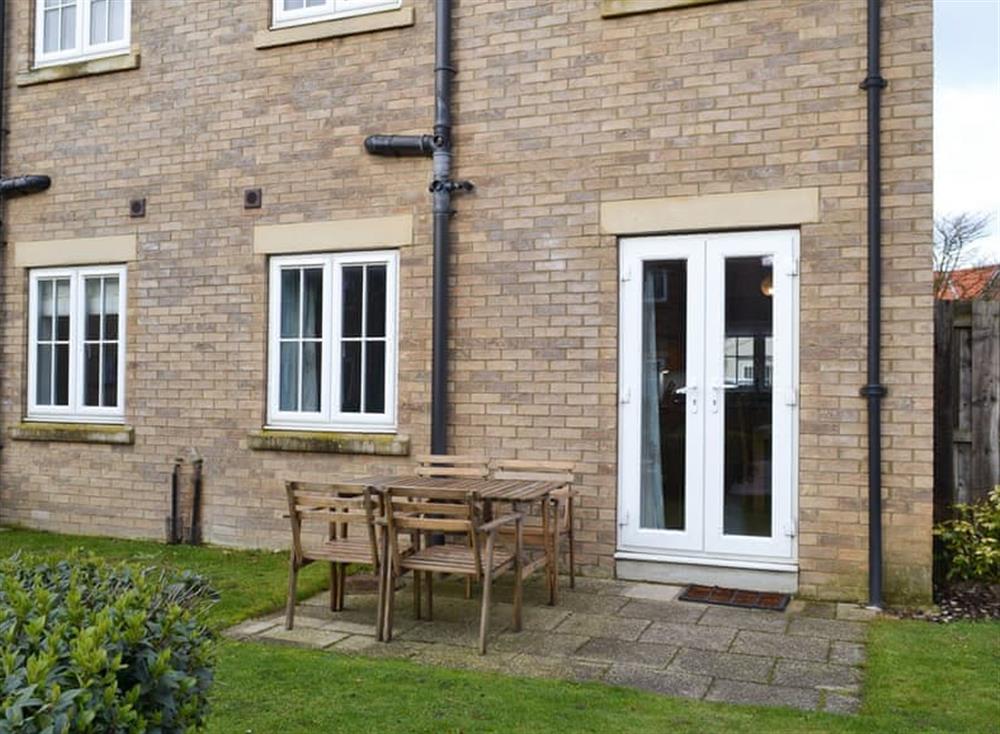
22,185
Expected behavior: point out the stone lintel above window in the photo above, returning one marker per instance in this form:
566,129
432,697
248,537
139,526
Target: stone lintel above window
330,442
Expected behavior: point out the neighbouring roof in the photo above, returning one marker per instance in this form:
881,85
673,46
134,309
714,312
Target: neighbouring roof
970,284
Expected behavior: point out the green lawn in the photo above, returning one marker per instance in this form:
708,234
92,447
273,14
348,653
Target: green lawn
920,678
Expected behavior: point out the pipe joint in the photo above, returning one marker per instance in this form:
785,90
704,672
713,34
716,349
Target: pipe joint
873,391
874,81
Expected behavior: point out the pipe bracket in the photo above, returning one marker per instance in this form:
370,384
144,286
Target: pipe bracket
873,391
876,80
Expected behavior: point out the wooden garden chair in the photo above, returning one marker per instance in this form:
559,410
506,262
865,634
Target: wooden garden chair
453,466
475,555
535,526
346,516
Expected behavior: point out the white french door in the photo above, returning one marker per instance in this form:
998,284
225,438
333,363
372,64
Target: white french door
708,393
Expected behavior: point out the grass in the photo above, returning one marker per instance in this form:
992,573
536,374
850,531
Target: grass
920,677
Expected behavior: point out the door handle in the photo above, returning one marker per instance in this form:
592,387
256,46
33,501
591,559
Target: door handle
717,389
691,392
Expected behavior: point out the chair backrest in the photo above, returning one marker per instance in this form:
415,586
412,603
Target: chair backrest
444,465
336,506
545,471
431,510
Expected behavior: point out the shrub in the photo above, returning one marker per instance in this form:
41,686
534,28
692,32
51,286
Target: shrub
93,648
971,541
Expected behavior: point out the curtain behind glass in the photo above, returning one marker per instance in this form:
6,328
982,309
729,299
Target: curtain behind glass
651,513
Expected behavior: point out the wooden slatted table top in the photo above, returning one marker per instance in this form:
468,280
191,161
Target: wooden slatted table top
511,490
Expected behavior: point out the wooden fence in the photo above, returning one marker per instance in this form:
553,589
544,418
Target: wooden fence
966,401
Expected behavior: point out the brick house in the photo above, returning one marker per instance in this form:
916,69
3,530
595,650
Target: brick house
661,274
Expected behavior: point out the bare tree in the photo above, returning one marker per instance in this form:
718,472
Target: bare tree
954,246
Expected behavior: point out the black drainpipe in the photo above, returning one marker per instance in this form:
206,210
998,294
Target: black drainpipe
874,391
439,147
19,185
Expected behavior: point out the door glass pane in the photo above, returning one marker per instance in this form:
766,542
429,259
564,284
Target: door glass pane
748,396
664,361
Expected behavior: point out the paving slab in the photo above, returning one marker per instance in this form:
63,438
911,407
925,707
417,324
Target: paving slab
652,592
830,628
757,694
781,646
603,625
251,628
745,619
652,654
847,653
856,613
663,611
539,666
658,681
806,674
546,644
700,637
355,644
460,634
591,603
804,608
751,668
303,637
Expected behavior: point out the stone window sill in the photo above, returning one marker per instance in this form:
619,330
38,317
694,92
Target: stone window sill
334,28
74,433
324,442
77,69
615,8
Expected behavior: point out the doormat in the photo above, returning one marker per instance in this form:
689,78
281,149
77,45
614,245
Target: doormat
736,597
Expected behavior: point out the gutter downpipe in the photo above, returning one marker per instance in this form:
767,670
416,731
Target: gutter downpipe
874,391
439,147
18,185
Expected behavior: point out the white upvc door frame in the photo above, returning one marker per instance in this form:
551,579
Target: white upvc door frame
782,246
702,537
634,254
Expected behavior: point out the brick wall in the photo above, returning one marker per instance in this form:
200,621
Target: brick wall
556,111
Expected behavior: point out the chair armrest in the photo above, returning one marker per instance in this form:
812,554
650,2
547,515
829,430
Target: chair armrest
494,525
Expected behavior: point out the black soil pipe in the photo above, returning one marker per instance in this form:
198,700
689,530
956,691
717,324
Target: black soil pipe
439,147
874,391
21,185
441,189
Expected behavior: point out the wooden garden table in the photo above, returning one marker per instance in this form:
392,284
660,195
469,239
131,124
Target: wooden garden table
514,491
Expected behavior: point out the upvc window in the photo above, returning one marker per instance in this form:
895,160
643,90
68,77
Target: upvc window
294,12
74,30
332,341
76,337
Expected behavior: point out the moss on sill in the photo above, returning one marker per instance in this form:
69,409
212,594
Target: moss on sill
74,433
325,442
615,8
77,69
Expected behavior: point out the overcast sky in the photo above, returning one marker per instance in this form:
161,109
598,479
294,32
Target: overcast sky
967,111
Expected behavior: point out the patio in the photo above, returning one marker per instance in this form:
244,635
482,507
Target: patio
623,633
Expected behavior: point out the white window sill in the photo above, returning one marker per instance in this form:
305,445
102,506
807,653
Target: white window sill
116,435
329,442
317,30
77,68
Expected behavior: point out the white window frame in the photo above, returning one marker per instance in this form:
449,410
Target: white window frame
329,10
75,411
330,417
83,49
